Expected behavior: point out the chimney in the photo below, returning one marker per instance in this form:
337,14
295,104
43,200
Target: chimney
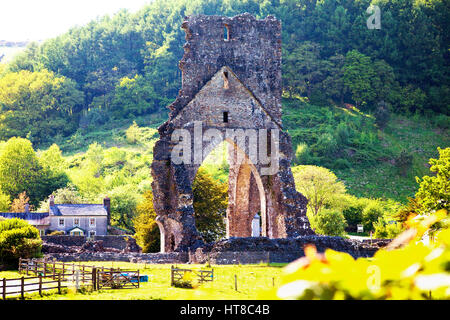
107,204
51,200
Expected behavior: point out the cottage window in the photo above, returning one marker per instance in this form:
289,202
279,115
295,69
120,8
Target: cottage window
91,233
92,222
61,222
76,222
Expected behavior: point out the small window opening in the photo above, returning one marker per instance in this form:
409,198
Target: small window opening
226,33
225,116
225,80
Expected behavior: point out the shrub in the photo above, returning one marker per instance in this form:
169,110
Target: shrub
353,211
382,115
342,164
413,271
329,222
403,162
326,145
442,121
370,215
18,239
56,233
387,229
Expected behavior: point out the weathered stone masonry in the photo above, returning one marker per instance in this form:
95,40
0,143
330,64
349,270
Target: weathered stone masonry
230,81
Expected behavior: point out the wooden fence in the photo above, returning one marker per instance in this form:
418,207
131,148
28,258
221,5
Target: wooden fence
64,273
179,275
29,284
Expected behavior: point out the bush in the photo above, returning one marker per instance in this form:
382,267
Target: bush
442,121
56,233
353,211
382,115
414,271
370,215
385,229
18,239
404,162
329,222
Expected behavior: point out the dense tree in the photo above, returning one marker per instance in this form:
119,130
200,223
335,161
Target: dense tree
147,231
210,204
20,204
409,51
21,171
37,105
319,185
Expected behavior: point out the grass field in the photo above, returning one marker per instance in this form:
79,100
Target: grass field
252,282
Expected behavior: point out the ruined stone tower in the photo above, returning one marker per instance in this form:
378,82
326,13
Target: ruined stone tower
231,82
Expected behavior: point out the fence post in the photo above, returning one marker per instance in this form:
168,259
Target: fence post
45,268
171,275
20,265
235,282
94,278
35,267
40,285
77,279
22,287
53,270
4,289
63,272
59,283
83,274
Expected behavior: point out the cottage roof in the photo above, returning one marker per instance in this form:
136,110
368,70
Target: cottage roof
78,210
34,218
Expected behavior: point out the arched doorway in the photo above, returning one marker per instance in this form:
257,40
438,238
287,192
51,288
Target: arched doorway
226,163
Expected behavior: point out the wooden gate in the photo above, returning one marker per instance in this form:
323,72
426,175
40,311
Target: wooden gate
123,279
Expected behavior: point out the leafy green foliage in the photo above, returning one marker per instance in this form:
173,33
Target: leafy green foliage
319,185
20,171
407,269
18,239
210,204
434,191
147,231
388,229
37,105
370,215
329,222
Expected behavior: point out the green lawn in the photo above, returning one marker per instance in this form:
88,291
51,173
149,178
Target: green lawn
252,281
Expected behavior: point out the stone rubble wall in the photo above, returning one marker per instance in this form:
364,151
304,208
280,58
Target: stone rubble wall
236,251
170,257
116,242
262,249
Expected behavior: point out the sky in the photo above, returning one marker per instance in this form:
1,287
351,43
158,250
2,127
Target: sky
22,20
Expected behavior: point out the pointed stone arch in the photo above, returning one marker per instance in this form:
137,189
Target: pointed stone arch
227,85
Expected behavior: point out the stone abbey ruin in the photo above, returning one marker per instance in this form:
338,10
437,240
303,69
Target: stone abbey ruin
231,79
